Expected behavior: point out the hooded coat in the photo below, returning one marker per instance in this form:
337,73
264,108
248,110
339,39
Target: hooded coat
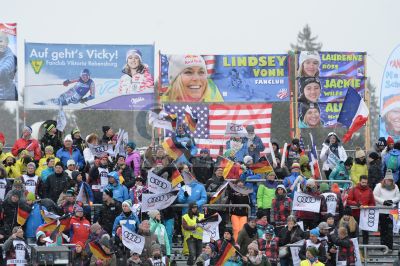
395,172
120,192
325,151
340,173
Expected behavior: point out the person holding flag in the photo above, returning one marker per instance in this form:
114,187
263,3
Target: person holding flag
193,191
127,218
184,143
34,219
192,232
79,229
102,252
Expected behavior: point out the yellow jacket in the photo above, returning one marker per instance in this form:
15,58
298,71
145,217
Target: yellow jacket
308,263
198,232
14,170
356,171
43,164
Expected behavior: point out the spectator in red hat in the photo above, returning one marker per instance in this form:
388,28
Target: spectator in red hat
79,255
389,146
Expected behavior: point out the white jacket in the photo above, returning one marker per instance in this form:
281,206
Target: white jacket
324,156
381,194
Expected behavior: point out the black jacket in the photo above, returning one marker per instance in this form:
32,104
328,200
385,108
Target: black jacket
374,173
10,211
203,168
107,215
55,185
54,141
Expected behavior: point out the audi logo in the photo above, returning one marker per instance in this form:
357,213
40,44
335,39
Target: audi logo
330,198
163,197
158,183
305,199
132,237
371,217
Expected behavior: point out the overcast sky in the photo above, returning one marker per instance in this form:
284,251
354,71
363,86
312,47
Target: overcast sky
212,26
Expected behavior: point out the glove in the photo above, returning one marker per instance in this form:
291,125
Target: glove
388,203
66,82
186,194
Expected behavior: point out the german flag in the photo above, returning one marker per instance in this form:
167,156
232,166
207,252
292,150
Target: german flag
229,251
98,251
218,193
190,120
55,225
22,215
231,169
176,178
49,217
395,214
171,149
261,167
173,119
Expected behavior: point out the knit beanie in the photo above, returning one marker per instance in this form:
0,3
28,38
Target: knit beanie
153,213
27,128
49,149
134,52
323,187
359,153
68,138
315,232
178,63
295,166
253,245
31,164
247,159
127,202
95,227
349,161
131,145
313,250
389,175
390,140
155,247
374,155
105,129
381,141
75,130
109,192
59,163
39,234
304,55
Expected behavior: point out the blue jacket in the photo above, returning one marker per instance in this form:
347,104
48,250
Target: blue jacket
340,173
288,182
198,195
46,172
76,155
34,220
255,154
185,142
120,192
385,161
248,175
240,154
131,222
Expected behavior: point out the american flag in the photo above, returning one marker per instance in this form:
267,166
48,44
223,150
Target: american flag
212,120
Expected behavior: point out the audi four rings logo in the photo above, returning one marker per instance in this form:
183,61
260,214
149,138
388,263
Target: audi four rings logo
330,198
304,199
158,182
371,218
132,237
156,199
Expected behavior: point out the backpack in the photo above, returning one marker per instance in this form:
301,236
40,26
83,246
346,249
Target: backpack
392,163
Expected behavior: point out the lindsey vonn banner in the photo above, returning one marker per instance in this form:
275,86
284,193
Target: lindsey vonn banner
390,98
224,78
323,80
83,76
8,62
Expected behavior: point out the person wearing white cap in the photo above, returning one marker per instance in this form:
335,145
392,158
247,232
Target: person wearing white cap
136,75
188,80
69,152
309,63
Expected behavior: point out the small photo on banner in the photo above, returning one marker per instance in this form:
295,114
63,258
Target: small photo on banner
8,62
224,78
89,76
212,120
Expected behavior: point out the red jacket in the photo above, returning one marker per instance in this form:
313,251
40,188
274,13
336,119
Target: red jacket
32,145
79,230
360,196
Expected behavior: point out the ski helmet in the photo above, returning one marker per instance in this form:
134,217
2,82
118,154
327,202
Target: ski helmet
85,72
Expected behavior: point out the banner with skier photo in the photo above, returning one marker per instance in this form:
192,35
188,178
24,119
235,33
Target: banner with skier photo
224,78
89,76
8,62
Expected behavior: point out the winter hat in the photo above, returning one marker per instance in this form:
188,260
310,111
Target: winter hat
310,182
282,187
247,159
315,232
388,175
139,178
78,208
68,138
261,213
105,241
252,218
304,107
390,140
27,128
374,155
347,211
95,227
49,149
250,129
349,161
329,215
75,130
178,63
70,192
192,204
59,163
70,162
79,243
295,166
109,192
17,181
153,213
335,188
134,52
381,141
323,187
269,230
50,127
105,129
127,202
296,141
229,230
30,197
359,153
39,234
32,164
131,145
212,246
313,250
390,103
304,55
323,225
253,245
155,246
75,175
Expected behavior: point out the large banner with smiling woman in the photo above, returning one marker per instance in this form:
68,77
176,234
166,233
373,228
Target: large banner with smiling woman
224,78
89,76
323,79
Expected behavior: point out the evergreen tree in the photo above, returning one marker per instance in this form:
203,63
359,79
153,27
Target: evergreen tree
305,41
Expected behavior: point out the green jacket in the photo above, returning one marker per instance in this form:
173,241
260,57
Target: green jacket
265,195
158,229
340,173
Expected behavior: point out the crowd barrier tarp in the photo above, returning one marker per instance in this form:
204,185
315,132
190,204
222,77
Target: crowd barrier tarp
89,76
390,97
225,78
322,85
8,62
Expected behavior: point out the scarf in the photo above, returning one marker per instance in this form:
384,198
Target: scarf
335,149
236,146
250,231
255,259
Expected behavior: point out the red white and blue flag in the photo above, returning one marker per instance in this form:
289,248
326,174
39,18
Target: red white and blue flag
212,120
354,113
313,159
